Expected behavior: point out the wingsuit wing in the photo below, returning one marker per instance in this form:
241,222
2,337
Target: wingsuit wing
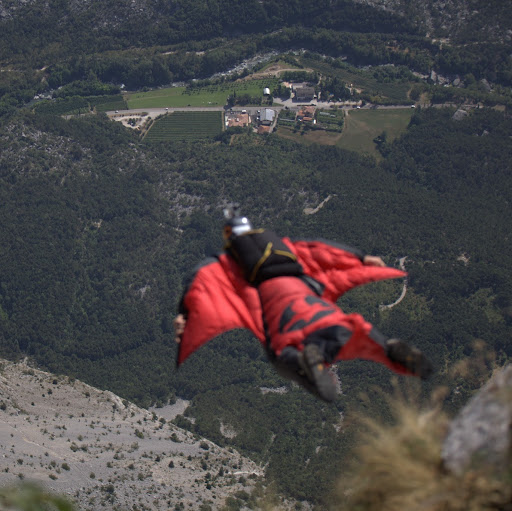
218,299
337,267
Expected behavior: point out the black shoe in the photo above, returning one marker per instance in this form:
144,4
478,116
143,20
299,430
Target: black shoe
411,358
313,364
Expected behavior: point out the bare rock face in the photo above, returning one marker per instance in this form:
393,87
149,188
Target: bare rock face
486,85
481,434
103,452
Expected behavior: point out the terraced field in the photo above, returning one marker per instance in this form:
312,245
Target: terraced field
185,126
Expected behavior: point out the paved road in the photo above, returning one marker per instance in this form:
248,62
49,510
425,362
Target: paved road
289,103
153,112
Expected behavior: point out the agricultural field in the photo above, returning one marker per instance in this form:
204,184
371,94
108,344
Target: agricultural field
286,119
185,126
326,131
210,95
362,126
310,137
330,120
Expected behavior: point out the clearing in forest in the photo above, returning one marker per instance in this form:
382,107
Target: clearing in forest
363,126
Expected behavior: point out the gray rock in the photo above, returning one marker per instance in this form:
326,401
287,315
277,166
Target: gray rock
486,85
442,80
459,115
481,433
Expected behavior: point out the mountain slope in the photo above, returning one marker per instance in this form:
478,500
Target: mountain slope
60,27
100,450
458,20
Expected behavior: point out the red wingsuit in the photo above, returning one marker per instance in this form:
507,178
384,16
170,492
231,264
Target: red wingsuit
219,299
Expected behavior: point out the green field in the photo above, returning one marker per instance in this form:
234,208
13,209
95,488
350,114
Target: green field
185,126
362,126
331,120
212,95
360,129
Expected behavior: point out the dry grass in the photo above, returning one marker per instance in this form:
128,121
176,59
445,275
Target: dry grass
399,467
29,497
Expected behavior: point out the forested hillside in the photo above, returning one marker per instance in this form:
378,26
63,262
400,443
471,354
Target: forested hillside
458,20
98,232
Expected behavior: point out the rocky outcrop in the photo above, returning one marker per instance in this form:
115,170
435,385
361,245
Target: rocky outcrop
459,115
106,453
481,434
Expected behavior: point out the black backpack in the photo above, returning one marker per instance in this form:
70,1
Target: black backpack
262,255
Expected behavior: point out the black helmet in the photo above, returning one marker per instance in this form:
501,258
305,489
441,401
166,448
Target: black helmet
236,224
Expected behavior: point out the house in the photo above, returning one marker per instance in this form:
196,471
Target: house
266,91
304,93
267,116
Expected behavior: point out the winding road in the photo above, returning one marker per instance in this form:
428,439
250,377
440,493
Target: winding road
404,289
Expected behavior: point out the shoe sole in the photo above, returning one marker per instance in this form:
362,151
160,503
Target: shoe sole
411,358
318,374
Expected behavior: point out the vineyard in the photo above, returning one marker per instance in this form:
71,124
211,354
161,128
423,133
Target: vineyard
185,126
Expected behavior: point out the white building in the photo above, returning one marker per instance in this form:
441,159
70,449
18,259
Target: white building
267,116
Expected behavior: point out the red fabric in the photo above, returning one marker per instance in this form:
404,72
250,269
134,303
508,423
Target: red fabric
290,294
337,269
219,299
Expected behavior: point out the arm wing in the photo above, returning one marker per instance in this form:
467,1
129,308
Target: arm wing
337,267
217,300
